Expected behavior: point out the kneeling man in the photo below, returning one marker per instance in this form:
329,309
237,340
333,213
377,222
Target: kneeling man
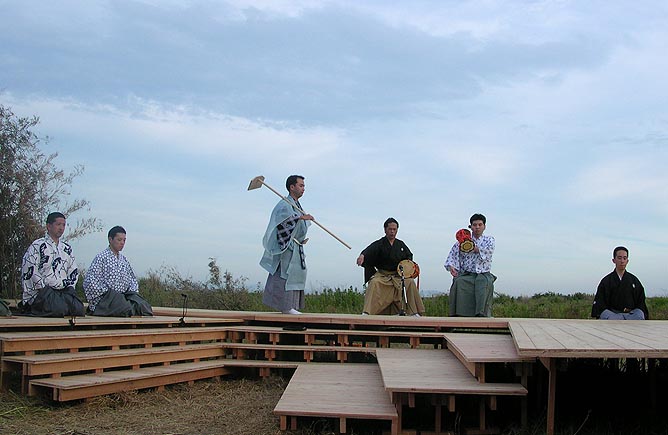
620,295
380,259
49,273
110,284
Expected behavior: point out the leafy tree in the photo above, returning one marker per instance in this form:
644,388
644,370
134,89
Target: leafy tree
31,186
214,273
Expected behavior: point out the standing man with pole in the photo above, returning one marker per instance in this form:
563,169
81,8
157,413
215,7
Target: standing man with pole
283,256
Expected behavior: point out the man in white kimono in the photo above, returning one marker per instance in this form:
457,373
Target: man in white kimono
284,251
110,284
49,273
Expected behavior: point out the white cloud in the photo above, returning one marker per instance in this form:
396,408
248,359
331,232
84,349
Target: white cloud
427,111
179,130
640,177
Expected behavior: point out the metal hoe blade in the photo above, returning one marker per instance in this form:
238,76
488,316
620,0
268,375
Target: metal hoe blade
256,182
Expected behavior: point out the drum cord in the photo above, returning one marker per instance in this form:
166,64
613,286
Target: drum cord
407,310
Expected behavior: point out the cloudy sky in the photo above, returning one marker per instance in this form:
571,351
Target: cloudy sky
549,117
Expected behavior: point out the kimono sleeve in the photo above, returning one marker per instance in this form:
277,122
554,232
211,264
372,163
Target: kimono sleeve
31,276
453,258
600,299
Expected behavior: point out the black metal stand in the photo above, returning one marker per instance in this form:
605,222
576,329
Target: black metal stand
404,303
182,320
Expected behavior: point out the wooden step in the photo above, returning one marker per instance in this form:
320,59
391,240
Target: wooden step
475,350
62,363
440,375
347,320
264,367
435,371
26,323
341,391
343,337
86,386
30,342
240,350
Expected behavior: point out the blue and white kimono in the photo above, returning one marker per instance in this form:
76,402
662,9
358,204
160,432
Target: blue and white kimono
283,239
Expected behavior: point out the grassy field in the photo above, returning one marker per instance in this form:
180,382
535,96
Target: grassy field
240,406
234,295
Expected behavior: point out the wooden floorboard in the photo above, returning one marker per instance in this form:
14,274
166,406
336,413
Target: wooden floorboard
351,321
435,371
89,322
332,332
485,347
562,338
83,386
60,363
336,390
54,340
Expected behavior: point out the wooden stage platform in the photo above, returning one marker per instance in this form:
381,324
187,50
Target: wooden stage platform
28,323
341,391
392,364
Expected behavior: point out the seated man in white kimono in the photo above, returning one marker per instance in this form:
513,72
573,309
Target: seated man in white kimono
49,273
110,284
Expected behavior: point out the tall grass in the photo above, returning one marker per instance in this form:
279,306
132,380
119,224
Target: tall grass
225,292
168,288
335,301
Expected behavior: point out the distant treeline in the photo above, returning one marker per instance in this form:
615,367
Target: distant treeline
224,292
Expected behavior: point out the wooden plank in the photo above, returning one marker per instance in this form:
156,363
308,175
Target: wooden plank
344,337
589,336
561,338
434,372
50,363
54,340
551,395
240,350
336,391
539,337
356,320
242,363
196,316
349,320
334,332
84,386
637,334
485,347
89,322
520,336
297,347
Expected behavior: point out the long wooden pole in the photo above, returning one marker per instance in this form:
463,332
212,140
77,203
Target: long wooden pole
302,212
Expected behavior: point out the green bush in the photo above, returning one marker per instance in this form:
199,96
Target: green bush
225,292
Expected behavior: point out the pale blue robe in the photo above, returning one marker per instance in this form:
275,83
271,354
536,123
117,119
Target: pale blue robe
284,265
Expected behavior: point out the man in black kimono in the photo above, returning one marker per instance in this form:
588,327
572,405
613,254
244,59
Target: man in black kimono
384,294
620,295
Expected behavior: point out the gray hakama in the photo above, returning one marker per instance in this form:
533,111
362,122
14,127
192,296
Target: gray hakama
114,304
51,302
471,294
280,299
